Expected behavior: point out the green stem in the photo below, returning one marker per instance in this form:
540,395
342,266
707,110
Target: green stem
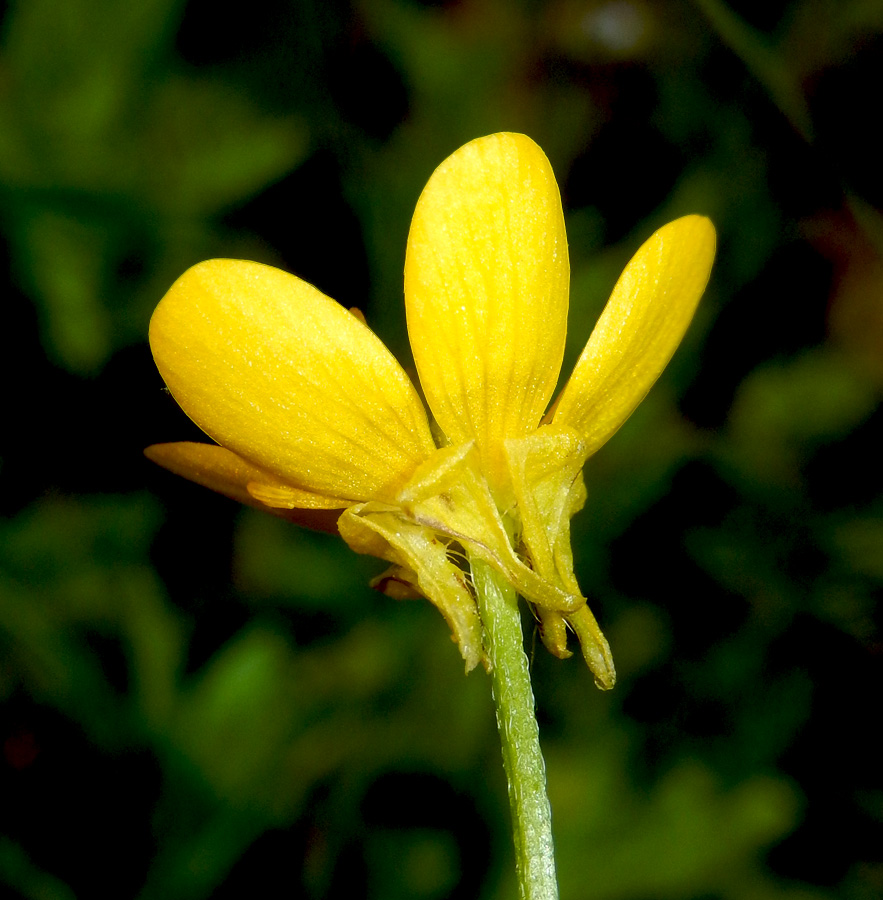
519,735
763,61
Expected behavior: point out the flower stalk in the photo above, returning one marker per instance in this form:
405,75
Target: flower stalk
519,734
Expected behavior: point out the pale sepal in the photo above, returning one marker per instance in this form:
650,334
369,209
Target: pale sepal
450,495
594,646
545,469
397,582
553,631
377,530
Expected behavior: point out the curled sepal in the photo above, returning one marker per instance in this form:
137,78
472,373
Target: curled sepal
553,631
545,471
449,494
421,560
397,582
594,646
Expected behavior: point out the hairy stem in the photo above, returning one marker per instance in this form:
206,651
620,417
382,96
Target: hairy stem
519,735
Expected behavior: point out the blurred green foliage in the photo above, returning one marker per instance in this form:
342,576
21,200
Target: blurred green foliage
108,148
199,701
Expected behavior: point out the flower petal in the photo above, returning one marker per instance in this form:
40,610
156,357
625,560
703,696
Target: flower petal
639,330
228,474
486,290
285,377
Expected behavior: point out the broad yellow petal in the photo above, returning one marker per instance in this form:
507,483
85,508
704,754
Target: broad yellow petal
286,378
639,330
486,291
228,474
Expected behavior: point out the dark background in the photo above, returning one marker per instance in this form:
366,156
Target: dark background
200,701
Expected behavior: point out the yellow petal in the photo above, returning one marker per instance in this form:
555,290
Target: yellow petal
639,330
285,377
228,474
486,291
281,496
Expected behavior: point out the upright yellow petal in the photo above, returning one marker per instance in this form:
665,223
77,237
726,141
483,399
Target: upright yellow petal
639,330
286,378
486,291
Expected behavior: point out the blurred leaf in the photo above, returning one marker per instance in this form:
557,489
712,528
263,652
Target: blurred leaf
860,541
689,835
762,60
20,873
299,567
73,573
426,864
64,259
785,409
239,715
205,148
102,151
631,472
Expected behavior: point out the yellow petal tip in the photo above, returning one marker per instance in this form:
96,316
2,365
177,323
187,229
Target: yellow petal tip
642,325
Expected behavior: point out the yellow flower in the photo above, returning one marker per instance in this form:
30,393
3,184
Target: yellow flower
316,420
